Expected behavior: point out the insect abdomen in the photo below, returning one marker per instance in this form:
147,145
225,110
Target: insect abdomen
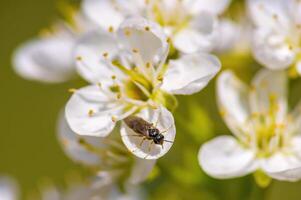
137,124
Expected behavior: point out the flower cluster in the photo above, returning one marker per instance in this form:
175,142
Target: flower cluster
136,56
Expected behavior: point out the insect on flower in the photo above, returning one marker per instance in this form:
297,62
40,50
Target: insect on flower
148,131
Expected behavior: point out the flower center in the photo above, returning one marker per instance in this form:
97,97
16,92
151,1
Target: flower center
172,16
270,134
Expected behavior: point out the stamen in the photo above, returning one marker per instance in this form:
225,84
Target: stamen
135,50
147,28
72,90
105,54
111,29
142,88
91,113
127,33
114,119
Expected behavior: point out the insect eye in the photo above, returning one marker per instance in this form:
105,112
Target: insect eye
152,132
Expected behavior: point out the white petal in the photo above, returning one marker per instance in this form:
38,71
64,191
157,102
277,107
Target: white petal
190,73
47,59
285,166
93,52
269,86
103,12
149,150
229,34
224,157
271,49
141,170
70,142
232,98
99,122
200,35
8,189
144,36
272,14
214,6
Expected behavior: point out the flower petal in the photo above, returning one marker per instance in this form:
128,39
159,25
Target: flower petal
269,91
285,166
223,157
201,34
72,146
93,52
190,73
232,98
145,38
47,59
103,13
89,112
272,14
229,34
214,6
147,149
271,49
141,170
8,189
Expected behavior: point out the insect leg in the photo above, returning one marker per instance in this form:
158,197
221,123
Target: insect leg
142,141
156,123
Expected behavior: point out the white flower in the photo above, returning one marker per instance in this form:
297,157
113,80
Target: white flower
48,58
276,38
192,25
103,154
126,80
8,189
100,187
266,137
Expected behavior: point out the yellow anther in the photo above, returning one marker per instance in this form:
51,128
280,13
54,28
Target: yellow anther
79,58
148,65
168,40
72,90
160,78
118,96
114,119
275,16
91,113
111,29
127,33
105,54
113,77
147,28
135,50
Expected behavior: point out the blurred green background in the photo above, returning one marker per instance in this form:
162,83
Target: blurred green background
29,149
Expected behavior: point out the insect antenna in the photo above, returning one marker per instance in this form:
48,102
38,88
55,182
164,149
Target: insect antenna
166,129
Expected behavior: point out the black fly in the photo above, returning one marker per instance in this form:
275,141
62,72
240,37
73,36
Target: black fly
145,129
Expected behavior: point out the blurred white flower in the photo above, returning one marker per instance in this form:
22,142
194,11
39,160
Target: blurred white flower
192,25
266,137
8,189
48,58
104,154
276,38
101,187
126,80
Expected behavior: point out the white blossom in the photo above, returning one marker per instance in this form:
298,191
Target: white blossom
104,154
127,79
276,37
266,137
192,25
8,189
48,58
